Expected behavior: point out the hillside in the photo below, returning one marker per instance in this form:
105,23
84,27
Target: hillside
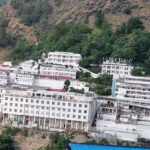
93,28
115,11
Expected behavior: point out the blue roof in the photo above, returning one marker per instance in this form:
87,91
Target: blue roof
102,147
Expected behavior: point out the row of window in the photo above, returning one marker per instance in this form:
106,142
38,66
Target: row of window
47,113
48,108
115,67
108,71
58,73
63,56
48,102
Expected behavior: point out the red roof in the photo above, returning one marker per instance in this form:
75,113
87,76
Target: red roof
53,76
4,65
4,70
58,90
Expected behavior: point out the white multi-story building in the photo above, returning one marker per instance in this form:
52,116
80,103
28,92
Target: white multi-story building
63,58
57,71
48,109
4,73
24,79
132,89
28,67
119,67
3,77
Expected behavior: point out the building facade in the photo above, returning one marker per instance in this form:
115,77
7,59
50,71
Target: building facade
133,89
112,67
48,109
63,58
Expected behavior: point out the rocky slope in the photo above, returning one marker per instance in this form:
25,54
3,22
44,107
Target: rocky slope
15,27
116,12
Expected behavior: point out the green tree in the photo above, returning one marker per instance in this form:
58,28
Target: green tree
5,142
59,141
132,24
99,19
67,84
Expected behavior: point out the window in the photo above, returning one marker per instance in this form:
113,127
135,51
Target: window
80,105
10,109
37,107
74,110
69,104
68,110
53,108
31,101
5,109
85,111
21,105
6,98
79,117
16,105
32,106
58,109
15,110
5,104
10,104
68,115
26,106
26,100
47,102
53,103
63,104
85,106
16,99
84,117
37,101
58,103
26,111
73,116
21,100
64,109
74,105
11,99
42,102
42,107
79,111
20,111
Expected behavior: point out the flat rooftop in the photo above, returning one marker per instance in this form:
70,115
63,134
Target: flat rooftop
102,147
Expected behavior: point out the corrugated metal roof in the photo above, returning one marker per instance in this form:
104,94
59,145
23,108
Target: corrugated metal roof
102,147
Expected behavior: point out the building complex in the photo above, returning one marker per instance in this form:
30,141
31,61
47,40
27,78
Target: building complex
33,94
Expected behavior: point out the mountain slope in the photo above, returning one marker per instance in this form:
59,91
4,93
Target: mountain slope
31,20
116,12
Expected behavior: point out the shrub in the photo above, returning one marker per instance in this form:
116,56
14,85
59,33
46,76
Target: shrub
25,132
43,136
127,11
